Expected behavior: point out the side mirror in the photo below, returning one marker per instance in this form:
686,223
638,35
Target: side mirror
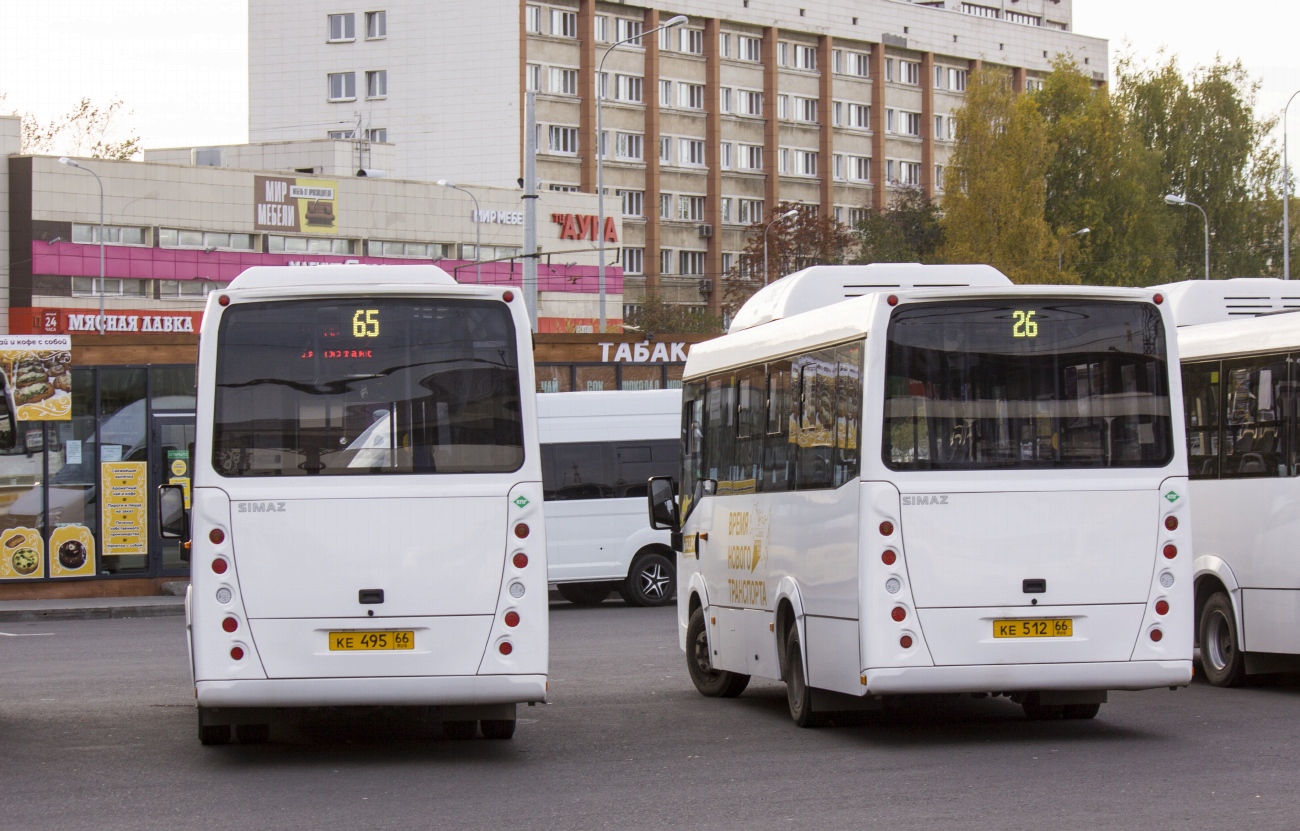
173,519
663,504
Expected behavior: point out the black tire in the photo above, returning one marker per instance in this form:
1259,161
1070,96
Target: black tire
651,581
497,728
460,730
1081,711
1222,662
714,683
796,685
584,594
253,733
1043,712
211,734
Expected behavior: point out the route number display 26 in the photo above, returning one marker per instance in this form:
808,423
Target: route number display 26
1025,326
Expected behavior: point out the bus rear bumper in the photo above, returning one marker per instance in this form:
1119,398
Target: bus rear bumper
437,691
1118,675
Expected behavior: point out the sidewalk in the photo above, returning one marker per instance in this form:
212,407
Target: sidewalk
90,608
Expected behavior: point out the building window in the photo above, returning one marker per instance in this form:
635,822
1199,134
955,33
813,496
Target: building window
629,146
564,140
805,162
837,61
724,99
861,65
837,114
692,262
377,83
690,152
114,234
891,120
628,88
83,286
628,30
957,80
185,289
726,209
534,75
728,259
911,124
1022,19
889,69
343,86
751,157
909,173
909,72
751,211
1033,84
665,40
782,54
341,134
665,93
724,44
633,260
410,250
343,27
564,24
376,25
564,81
938,177
665,206
692,41
665,261
691,96
602,28
562,188
751,103
980,11
952,128
666,149
806,109
783,160
633,202
783,106
376,134
857,216
839,166
938,77
726,152
860,116
805,57
860,168
749,49
690,208
533,20
308,245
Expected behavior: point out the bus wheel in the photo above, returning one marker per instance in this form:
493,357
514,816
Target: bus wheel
584,594
650,581
1222,661
1043,712
715,683
213,733
497,728
459,730
1080,711
796,687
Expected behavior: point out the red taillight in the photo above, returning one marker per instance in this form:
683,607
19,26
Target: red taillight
899,614
217,536
508,296
1159,298
1156,635
521,530
888,558
520,560
505,648
219,565
886,528
893,299
224,300
1171,522
905,641
512,619
237,653
1162,607
1171,551
230,624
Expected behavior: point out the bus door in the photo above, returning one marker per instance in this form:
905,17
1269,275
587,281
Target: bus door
171,443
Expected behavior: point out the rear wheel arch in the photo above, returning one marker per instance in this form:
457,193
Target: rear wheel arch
785,622
1206,586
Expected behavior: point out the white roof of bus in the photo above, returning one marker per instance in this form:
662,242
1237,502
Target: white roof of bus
824,285
1209,301
265,277
850,319
1244,336
615,415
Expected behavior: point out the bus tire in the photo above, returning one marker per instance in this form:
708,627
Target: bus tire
459,730
1081,711
253,733
650,581
210,734
714,683
796,686
1222,662
497,728
1043,712
584,594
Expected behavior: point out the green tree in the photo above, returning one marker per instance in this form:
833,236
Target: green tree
793,243
654,315
909,232
994,201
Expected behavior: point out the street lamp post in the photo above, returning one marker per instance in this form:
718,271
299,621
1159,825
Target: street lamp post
1174,199
793,212
1286,197
600,155
1060,248
64,160
478,240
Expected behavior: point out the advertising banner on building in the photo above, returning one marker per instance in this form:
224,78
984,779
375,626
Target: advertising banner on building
290,204
21,553
124,517
118,322
37,372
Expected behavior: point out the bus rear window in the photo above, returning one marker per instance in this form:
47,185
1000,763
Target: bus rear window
367,386
997,385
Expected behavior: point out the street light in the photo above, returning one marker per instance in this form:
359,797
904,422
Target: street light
600,154
793,212
1174,199
478,240
1286,197
64,160
1060,248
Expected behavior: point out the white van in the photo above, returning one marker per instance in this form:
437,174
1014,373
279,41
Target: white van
598,451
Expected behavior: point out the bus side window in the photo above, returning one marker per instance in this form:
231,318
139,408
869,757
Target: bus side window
751,424
817,421
1254,426
776,445
1201,405
848,411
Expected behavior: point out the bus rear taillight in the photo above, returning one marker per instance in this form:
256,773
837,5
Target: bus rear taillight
217,536
905,641
521,530
1171,522
1171,551
899,614
237,653
512,619
520,560
505,648
1156,635
1162,607
886,529
230,624
888,558
220,565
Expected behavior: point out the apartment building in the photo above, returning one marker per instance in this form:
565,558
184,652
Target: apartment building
704,127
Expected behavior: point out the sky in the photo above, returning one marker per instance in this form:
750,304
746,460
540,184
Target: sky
180,65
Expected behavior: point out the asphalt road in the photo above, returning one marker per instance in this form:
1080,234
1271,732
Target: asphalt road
97,731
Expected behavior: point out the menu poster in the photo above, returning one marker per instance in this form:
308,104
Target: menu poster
72,552
21,553
124,517
37,373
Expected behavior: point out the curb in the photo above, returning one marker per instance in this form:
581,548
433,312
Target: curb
92,613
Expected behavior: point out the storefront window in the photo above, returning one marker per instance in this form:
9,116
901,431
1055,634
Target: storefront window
641,377
171,387
123,437
554,378
73,495
591,378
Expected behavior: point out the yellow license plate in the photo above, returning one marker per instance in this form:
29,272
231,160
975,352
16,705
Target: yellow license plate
1036,628
371,641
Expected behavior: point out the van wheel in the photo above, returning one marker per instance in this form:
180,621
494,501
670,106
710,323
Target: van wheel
584,594
1081,711
253,733
459,730
651,581
1221,660
796,686
714,683
497,728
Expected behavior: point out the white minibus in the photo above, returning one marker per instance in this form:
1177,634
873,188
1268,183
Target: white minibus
598,451
1240,385
367,525
903,489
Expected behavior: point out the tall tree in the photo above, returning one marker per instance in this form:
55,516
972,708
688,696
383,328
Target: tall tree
88,129
994,201
792,243
909,232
